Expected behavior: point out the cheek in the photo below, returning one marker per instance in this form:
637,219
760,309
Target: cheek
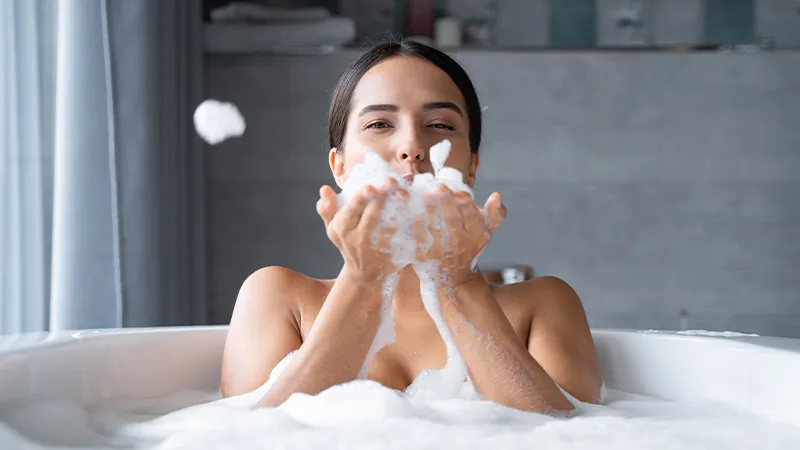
460,158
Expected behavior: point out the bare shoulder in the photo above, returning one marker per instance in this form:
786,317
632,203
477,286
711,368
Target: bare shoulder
277,277
276,286
538,296
559,336
266,325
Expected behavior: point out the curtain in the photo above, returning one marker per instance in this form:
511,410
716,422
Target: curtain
27,116
126,211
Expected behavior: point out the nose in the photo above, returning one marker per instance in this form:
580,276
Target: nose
412,153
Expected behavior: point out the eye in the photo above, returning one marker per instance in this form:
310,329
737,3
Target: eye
442,126
378,124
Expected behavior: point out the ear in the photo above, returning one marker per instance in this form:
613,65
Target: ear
475,160
336,161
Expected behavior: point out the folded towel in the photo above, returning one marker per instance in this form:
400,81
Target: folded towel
248,38
251,12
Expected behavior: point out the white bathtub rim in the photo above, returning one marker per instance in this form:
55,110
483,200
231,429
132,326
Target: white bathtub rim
31,342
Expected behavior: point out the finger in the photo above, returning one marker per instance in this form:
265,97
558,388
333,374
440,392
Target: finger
425,227
389,185
450,213
326,205
421,237
470,213
351,214
431,217
371,217
495,210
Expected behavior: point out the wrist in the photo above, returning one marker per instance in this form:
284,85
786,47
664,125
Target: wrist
463,277
358,278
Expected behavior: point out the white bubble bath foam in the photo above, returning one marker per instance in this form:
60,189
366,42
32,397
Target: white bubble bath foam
159,389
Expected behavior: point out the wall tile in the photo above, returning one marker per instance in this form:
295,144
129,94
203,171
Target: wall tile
778,20
650,182
729,22
573,24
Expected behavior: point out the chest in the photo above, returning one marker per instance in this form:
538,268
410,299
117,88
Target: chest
419,347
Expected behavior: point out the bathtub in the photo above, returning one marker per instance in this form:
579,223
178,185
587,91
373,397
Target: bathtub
759,374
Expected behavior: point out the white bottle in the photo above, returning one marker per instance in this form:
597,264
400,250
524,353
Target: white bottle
447,32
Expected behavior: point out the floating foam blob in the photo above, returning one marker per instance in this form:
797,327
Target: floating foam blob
217,121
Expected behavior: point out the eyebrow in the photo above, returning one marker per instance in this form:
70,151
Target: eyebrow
382,107
426,107
443,105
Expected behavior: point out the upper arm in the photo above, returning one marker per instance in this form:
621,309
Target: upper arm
561,342
262,332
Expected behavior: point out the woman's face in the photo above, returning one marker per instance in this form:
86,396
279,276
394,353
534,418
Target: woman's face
400,108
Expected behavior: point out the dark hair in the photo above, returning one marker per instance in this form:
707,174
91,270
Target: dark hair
343,93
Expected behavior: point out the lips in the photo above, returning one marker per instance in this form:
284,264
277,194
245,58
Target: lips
409,177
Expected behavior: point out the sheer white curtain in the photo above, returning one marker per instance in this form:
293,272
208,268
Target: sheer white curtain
101,177
27,127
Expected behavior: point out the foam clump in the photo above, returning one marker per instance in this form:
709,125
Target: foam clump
217,121
374,171
363,414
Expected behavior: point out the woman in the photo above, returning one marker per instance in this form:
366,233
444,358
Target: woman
523,340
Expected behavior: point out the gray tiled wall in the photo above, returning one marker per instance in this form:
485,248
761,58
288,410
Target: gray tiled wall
649,181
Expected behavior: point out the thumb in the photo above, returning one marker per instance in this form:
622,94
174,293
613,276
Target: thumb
495,210
326,205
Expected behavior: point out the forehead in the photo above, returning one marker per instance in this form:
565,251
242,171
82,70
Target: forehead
405,81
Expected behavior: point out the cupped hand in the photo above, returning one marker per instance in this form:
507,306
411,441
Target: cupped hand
455,230
358,232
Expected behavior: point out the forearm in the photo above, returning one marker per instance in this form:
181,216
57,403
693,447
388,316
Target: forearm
500,366
336,347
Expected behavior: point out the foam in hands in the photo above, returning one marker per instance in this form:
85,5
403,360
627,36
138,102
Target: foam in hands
373,171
